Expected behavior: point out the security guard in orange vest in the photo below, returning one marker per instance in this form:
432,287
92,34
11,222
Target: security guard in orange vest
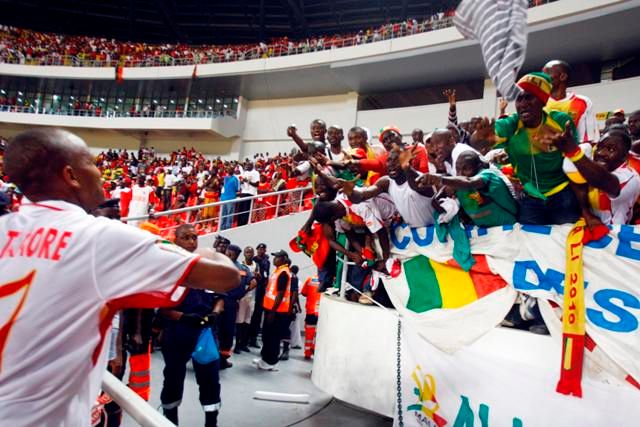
277,312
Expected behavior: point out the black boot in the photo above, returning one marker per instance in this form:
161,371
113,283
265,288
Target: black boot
285,351
238,346
211,419
171,415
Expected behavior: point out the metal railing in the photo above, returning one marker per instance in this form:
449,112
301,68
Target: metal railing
223,215
201,114
143,413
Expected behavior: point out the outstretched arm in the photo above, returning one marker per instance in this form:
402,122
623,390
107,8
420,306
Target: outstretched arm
405,158
596,175
292,133
359,195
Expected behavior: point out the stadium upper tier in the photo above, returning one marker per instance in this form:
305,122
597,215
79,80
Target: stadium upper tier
562,29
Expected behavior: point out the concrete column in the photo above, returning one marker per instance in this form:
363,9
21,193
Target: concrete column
489,99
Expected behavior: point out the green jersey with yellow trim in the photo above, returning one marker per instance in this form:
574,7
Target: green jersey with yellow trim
532,164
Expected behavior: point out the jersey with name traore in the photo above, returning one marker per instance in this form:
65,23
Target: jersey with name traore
63,274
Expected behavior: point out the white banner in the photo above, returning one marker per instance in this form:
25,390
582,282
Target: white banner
531,259
506,378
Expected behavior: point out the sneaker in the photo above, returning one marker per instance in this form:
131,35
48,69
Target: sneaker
297,347
264,366
255,362
237,350
332,291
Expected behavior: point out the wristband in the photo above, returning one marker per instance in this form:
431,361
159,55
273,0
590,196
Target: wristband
575,157
574,152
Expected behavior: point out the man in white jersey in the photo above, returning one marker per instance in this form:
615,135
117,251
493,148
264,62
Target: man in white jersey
614,187
142,196
413,204
82,269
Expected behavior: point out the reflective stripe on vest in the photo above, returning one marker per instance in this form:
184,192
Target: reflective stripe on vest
272,290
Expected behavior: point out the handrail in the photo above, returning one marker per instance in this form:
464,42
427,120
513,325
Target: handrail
190,114
215,204
132,404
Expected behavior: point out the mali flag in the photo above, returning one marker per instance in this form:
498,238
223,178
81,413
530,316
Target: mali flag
435,285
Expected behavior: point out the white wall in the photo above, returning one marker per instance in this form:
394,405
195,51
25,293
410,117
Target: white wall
267,120
608,96
425,117
275,233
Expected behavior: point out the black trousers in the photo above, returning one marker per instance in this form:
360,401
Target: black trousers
242,209
227,325
274,329
178,344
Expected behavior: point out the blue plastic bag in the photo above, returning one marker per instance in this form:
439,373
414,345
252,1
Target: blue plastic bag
206,348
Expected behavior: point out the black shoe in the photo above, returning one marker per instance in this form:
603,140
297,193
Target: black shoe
211,419
224,363
245,349
171,415
237,350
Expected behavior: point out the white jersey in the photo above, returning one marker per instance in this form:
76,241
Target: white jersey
373,214
415,209
139,204
617,210
63,275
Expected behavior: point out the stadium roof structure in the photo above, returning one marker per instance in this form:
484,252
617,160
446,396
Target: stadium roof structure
212,22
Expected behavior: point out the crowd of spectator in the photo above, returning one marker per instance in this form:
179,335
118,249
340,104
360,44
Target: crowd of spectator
30,47
25,46
547,163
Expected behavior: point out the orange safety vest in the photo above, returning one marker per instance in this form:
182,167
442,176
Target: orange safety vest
272,290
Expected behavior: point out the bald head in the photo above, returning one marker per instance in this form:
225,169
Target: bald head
442,143
35,157
53,164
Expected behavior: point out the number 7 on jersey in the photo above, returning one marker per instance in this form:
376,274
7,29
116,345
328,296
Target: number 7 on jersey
7,290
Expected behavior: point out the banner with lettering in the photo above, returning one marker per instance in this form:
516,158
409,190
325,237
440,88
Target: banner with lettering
531,260
504,379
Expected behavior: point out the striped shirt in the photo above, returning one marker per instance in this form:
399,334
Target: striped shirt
501,28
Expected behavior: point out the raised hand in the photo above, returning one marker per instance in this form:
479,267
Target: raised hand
406,156
451,96
292,131
502,104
